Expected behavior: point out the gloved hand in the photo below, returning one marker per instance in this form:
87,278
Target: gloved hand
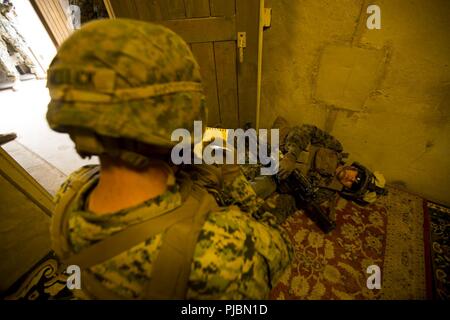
287,165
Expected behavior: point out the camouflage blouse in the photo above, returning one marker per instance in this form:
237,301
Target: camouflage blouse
236,256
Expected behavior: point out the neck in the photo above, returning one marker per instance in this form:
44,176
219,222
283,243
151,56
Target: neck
121,186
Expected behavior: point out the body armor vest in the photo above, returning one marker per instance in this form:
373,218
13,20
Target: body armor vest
180,228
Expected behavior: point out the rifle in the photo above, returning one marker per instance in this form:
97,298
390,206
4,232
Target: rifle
305,197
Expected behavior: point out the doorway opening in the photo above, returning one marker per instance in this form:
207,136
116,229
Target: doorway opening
27,52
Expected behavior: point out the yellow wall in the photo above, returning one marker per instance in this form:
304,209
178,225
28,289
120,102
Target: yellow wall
385,94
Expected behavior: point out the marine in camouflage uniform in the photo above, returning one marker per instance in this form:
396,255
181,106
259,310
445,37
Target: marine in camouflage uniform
13,43
299,139
294,140
320,158
236,257
120,87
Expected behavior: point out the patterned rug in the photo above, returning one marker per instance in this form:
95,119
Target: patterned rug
45,281
334,266
404,262
439,222
388,234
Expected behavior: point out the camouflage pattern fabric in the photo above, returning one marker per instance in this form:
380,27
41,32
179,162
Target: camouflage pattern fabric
125,79
282,206
297,140
236,257
299,137
228,185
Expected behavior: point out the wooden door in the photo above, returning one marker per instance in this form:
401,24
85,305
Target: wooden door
211,28
53,18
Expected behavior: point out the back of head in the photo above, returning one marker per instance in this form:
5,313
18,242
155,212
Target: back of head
120,87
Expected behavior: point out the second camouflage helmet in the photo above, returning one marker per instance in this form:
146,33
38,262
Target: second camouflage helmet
125,79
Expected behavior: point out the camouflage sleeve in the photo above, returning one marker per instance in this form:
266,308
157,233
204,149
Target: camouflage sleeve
237,257
229,183
299,138
238,191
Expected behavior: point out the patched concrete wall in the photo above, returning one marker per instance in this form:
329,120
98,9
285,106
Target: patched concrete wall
385,94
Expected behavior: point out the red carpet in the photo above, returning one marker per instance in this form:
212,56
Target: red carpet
334,266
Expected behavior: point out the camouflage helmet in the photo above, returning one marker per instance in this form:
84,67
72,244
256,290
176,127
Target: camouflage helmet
118,81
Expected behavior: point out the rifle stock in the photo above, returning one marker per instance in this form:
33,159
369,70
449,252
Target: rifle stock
302,190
